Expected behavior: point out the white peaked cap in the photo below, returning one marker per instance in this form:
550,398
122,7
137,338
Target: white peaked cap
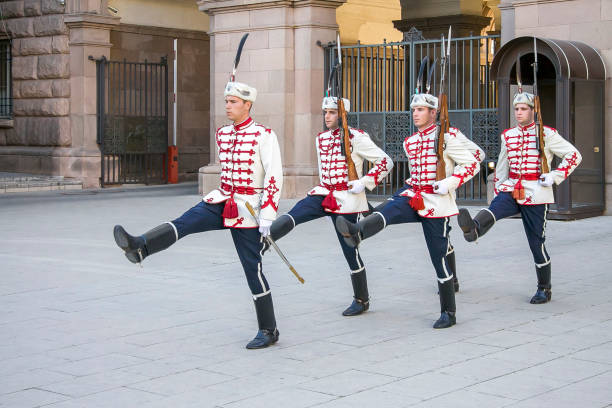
524,97
331,102
423,99
240,90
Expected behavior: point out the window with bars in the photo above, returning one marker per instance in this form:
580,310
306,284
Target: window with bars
6,92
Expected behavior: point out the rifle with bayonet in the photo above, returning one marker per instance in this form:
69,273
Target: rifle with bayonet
443,122
345,145
537,113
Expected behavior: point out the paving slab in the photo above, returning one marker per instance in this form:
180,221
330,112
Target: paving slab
80,326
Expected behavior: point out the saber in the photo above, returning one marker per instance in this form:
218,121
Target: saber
273,245
238,53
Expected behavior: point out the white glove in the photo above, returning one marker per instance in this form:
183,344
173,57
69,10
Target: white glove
440,187
546,180
264,226
356,186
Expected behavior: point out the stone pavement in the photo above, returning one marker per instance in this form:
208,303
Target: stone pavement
82,327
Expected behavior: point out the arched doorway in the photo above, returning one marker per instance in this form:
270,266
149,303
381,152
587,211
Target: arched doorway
571,84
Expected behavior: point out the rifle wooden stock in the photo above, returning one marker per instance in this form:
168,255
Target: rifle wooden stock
540,133
352,172
443,129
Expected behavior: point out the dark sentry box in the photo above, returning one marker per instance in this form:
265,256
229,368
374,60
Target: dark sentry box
571,85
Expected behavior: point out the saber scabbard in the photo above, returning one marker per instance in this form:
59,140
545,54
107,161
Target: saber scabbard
276,248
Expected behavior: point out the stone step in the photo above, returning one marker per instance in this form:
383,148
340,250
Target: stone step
23,183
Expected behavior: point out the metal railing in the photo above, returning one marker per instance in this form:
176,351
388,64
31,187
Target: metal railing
6,89
132,121
380,79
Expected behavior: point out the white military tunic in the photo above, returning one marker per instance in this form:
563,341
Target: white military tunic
462,160
333,171
251,170
519,159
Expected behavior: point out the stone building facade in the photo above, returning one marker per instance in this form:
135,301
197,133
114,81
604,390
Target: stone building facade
39,133
52,129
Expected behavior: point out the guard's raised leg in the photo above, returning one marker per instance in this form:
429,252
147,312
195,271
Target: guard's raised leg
476,227
268,333
366,227
282,226
137,248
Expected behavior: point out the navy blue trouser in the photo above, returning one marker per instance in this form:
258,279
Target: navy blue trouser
397,210
534,222
309,209
248,241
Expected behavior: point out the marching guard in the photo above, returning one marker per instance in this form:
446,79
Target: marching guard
523,185
438,166
336,196
251,172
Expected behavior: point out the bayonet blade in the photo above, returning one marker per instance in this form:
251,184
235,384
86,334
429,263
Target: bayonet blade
535,67
449,40
339,52
519,81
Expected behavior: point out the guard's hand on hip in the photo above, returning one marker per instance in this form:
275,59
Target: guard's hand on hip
264,226
440,187
356,186
546,180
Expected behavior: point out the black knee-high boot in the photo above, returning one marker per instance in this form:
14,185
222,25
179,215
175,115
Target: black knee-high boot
361,297
450,258
366,227
476,227
447,305
543,294
279,228
268,333
137,248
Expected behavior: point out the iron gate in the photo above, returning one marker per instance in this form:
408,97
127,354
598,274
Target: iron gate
379,81
132,114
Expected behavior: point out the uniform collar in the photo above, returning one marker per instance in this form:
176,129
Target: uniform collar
335,132
428,130
243,125
525,128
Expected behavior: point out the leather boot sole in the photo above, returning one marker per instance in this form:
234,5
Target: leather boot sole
122,239
467,225
344,229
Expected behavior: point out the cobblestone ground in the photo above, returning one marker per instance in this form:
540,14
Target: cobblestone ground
80,326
